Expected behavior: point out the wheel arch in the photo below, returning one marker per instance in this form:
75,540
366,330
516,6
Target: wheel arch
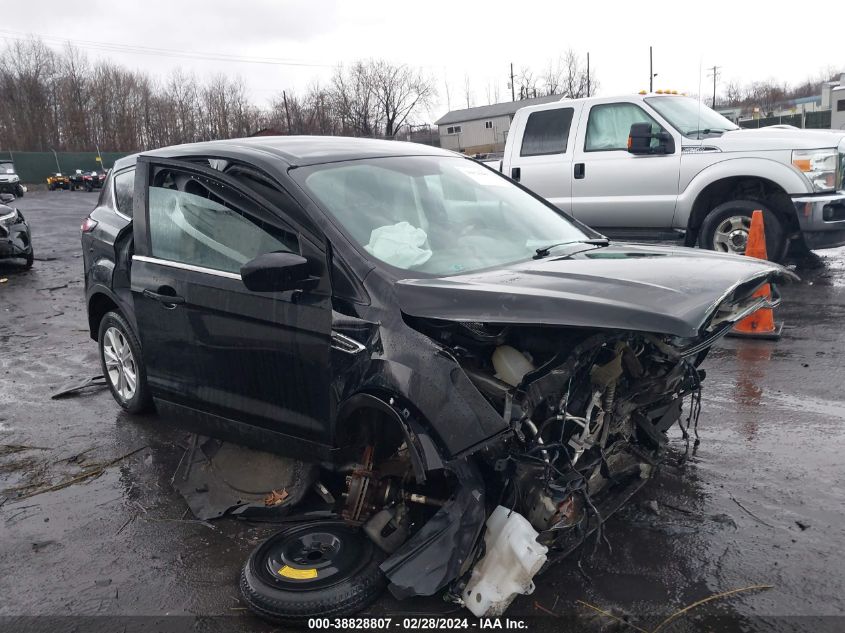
382,415
742,187
100,303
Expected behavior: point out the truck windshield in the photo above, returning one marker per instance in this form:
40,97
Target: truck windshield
7,168
689,117
435,215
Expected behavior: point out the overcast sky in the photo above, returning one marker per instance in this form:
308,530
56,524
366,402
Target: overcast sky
449,40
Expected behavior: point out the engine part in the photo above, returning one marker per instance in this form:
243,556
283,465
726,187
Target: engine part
511,364
388,528
513,556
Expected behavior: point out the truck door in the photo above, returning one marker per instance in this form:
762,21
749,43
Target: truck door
541,156
614,189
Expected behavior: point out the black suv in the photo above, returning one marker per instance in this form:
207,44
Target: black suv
433,333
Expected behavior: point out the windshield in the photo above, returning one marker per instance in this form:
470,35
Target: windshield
689,117
436,215
7,168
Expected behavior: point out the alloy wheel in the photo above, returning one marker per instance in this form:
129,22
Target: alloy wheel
120,363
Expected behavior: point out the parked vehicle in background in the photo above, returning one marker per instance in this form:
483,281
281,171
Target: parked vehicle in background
77,180
93,180
15,237
471,369
10,182
58,181
668,167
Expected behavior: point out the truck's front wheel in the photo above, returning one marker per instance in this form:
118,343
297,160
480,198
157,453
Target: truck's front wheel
725,229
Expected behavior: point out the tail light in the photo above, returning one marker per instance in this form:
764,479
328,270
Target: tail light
88,225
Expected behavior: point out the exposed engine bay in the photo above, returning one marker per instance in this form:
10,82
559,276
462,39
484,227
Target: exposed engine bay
588,417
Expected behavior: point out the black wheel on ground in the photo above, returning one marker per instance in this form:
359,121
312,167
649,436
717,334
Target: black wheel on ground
20,192
122,364
30,259
725,229
316,569
51,187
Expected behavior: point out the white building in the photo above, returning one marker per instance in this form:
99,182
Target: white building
482,129
833,96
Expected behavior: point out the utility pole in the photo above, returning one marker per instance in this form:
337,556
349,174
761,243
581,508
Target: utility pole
715,74
651,73
513,91
588,74
287,111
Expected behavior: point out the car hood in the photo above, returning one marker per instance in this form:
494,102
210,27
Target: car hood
774,138
630,287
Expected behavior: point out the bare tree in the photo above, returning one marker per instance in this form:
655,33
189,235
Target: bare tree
61,101
400,91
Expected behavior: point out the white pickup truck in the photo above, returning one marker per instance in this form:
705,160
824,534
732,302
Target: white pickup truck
663,166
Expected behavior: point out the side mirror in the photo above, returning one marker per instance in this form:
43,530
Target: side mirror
6,198
276,272
641,136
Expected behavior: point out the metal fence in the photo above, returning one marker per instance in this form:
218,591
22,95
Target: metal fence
34,167
810,120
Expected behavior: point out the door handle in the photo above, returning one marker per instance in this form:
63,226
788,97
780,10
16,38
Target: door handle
516,172
168,300
579,170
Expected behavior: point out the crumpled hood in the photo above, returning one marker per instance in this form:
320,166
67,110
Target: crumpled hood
651,289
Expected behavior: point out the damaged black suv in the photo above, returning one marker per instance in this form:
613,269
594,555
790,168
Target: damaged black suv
435,340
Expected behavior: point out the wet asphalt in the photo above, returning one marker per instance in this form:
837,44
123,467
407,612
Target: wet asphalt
761,502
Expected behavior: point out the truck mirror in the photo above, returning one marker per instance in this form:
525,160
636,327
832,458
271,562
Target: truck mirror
640,140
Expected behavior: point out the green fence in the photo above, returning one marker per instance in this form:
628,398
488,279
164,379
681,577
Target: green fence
810,120
34,167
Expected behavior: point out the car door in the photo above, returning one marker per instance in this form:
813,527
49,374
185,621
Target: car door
612,188
542,158
210,344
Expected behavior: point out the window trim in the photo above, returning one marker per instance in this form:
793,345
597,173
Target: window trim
114,176
183,266
567,136
488,125
616,103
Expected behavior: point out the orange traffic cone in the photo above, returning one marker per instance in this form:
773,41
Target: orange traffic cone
760,324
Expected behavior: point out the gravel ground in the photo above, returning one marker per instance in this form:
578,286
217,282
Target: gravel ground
761,502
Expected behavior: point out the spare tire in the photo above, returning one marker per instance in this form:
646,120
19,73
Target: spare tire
725,229
316,569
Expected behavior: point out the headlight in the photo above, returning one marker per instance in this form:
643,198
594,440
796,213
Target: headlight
9,218
15,179
821,166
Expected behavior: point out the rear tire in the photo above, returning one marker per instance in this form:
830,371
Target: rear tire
122,364
30,260
725,229
277,584
20,192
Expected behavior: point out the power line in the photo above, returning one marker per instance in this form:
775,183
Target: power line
133,49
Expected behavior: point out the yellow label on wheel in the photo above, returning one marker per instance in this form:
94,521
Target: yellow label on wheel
297,574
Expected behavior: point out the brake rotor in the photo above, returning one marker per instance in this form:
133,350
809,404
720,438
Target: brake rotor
357,487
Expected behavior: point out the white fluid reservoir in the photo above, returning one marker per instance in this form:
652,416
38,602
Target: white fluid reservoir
512,558
510,365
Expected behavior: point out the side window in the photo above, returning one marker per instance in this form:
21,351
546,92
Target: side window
124,188
609,125
199,221
546,132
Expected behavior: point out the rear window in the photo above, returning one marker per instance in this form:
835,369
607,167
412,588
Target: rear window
546,132
124,188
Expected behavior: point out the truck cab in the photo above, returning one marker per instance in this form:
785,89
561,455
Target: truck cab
686,173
